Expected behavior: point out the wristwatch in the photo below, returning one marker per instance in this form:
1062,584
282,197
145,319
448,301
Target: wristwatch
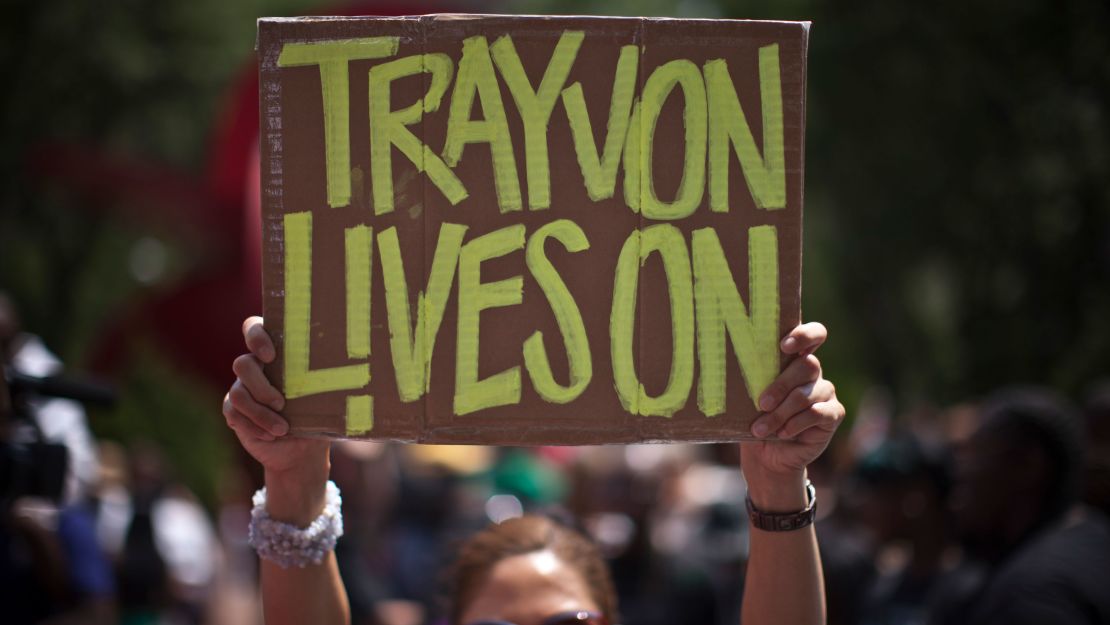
788,521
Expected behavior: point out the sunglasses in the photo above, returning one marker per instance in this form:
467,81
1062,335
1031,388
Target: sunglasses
580,617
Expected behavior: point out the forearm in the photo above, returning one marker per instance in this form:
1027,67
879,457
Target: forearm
784,583
315,593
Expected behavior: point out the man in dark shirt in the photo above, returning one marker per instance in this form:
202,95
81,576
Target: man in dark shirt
1044,559
1061,576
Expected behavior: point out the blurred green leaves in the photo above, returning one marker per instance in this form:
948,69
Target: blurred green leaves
957,157
118,78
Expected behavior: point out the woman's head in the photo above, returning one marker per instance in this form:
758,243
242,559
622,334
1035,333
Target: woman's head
525,570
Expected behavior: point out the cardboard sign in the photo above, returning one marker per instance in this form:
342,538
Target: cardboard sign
530,230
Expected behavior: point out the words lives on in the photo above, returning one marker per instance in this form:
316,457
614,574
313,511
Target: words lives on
705,301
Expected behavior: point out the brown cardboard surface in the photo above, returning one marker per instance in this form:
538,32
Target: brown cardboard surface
295,185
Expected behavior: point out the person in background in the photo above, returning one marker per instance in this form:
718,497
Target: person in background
161,539
1015,503
903,497
51,565
1097,478
534,581
56,419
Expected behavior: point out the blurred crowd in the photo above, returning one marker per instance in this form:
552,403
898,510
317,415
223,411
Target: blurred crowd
993,511
131,134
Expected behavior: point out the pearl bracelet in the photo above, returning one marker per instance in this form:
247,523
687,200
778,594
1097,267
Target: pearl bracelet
288,545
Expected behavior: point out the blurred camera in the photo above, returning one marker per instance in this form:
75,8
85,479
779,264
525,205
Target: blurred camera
29,465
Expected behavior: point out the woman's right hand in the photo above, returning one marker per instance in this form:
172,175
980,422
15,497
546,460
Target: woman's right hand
296,477
251,408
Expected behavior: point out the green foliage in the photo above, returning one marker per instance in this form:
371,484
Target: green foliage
960,190
182,417
131,78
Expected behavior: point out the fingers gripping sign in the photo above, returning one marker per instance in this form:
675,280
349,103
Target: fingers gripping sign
804,339
788,392
800,410
245,401
243,425
249,370
257,340
252,407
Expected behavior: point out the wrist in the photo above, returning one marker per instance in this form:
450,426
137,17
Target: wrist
776,492
289,545
297,496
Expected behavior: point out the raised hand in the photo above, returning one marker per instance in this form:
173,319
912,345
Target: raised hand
800,411
252,405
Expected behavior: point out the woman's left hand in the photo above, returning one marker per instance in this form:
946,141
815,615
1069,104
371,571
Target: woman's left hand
799,410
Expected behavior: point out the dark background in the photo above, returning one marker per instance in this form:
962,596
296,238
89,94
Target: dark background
957,194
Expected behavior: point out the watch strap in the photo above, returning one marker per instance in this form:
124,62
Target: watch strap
788,521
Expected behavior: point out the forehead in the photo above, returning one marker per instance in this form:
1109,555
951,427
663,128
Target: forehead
527,588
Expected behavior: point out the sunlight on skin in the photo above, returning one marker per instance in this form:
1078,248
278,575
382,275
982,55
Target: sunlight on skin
544,561
528,588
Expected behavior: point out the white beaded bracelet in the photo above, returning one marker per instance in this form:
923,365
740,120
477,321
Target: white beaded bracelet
288,545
